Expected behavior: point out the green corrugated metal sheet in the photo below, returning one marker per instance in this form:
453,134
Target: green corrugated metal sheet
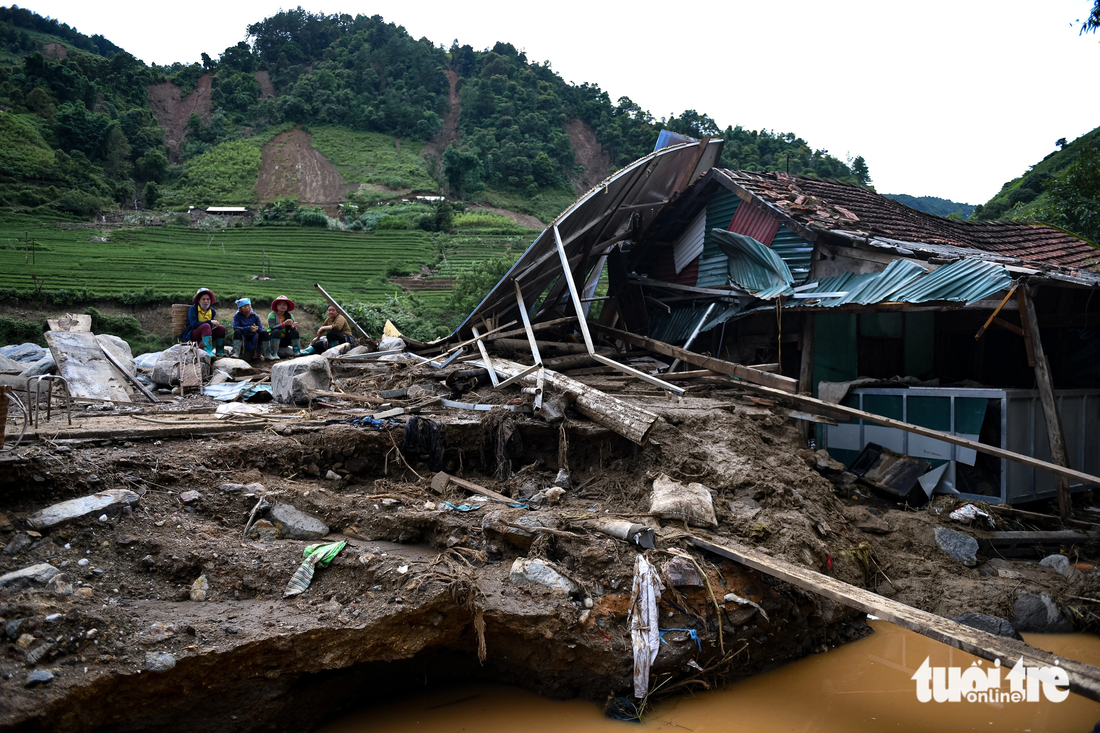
713,271
752,265
795,251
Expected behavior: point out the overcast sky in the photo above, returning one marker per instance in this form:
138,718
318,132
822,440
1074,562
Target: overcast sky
946,99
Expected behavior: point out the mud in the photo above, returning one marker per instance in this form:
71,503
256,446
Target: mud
173,112
420,592
291,166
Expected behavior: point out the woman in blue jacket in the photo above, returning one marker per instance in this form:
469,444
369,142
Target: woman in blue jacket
202,324
249,336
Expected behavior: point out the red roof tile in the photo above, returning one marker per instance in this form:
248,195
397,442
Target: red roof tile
829,205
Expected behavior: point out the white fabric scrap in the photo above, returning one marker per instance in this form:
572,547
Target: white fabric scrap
645,637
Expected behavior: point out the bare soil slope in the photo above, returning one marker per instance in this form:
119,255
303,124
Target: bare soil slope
588,153
172,111
291,166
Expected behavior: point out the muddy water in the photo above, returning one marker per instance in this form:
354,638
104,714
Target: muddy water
862,686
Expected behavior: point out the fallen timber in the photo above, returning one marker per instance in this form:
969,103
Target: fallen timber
1084,679
776,381
627,420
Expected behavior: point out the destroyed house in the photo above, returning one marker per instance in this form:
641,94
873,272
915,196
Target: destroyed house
955,326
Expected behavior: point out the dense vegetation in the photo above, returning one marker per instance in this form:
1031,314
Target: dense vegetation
934,205
1062,189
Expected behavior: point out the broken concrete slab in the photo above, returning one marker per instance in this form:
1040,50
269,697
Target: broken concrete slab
296,525
45,365
120,350
1037,612
292,381
81,361
107,502
989,624
958,545
39,574
539,572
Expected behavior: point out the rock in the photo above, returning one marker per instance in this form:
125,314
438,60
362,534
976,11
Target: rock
147,362
357,350
562,479
218,377
230,488
24,641
84,592
842,479
199,589
45,365
255,488
167,369
190,497
691,503
1056,562
111,501
233,629
1040,614
874,525
34,575
337,350
158,631
681,572
38,677
159,661
10,366
11,628
120,350
826,465
60,585
296,525
497,523
959,546
744,508
291,381
24,353
34,656
232,367
989,624
18,543
263,530
549,496
332,476
539,572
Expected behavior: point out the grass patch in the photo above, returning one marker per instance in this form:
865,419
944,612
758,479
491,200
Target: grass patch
373,158
488,223
545,205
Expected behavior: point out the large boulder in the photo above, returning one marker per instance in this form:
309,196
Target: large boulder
958,545
167,370
111,501
10,366
120,350
24,353
45,365
989,624
291,381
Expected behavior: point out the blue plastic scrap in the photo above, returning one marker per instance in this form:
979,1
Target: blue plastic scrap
690,632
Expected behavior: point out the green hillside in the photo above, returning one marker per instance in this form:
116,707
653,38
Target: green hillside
933,205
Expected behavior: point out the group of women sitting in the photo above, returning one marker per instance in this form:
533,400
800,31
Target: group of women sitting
250,339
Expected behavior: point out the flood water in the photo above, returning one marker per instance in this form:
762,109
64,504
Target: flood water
862,686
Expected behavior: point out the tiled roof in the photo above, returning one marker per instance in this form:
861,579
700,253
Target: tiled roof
829,205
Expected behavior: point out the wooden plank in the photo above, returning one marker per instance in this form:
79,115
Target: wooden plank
1084,679
1045,383
840,411
81,362
1008,326
755,376
806,368
441,479
650,282
129,377
1033,544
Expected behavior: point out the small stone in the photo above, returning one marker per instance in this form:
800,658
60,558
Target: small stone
959,546
38,677
332,476
34,656
190,497
103,517
230,488
264,531
231,629
11,628
255,488
562,479
199,589
159,661
110,501
33,575
18,543
83,562
53,616
24,641
297,525
84,592
158,631
388,502
540,572
1056,562
60,585
90,633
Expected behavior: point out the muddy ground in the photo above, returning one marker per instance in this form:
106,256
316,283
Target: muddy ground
421,592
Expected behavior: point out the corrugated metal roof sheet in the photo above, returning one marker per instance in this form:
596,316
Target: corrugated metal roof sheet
753,265
676,325
668,138
795,251
965,280
690,243
721,208
867,288
756,223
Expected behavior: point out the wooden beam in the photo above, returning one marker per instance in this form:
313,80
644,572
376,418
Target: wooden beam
993,316
129,377
1045,383
1084,679
846,413
1007,326
441,479
1025,323
651,283
755,376
806,369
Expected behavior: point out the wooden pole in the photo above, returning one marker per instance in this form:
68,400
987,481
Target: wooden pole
341,311
129,377
1045,384
806,370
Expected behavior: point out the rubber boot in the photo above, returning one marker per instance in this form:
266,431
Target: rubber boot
237,348
273,350
219,347
207,346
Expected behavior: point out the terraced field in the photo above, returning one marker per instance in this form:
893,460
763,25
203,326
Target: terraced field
171,260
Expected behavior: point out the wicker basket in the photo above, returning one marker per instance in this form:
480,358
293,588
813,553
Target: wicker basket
179,318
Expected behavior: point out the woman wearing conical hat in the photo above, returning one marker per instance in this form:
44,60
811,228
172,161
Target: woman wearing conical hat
282,327
202,324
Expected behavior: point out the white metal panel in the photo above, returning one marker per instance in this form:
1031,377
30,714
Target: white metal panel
690,244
